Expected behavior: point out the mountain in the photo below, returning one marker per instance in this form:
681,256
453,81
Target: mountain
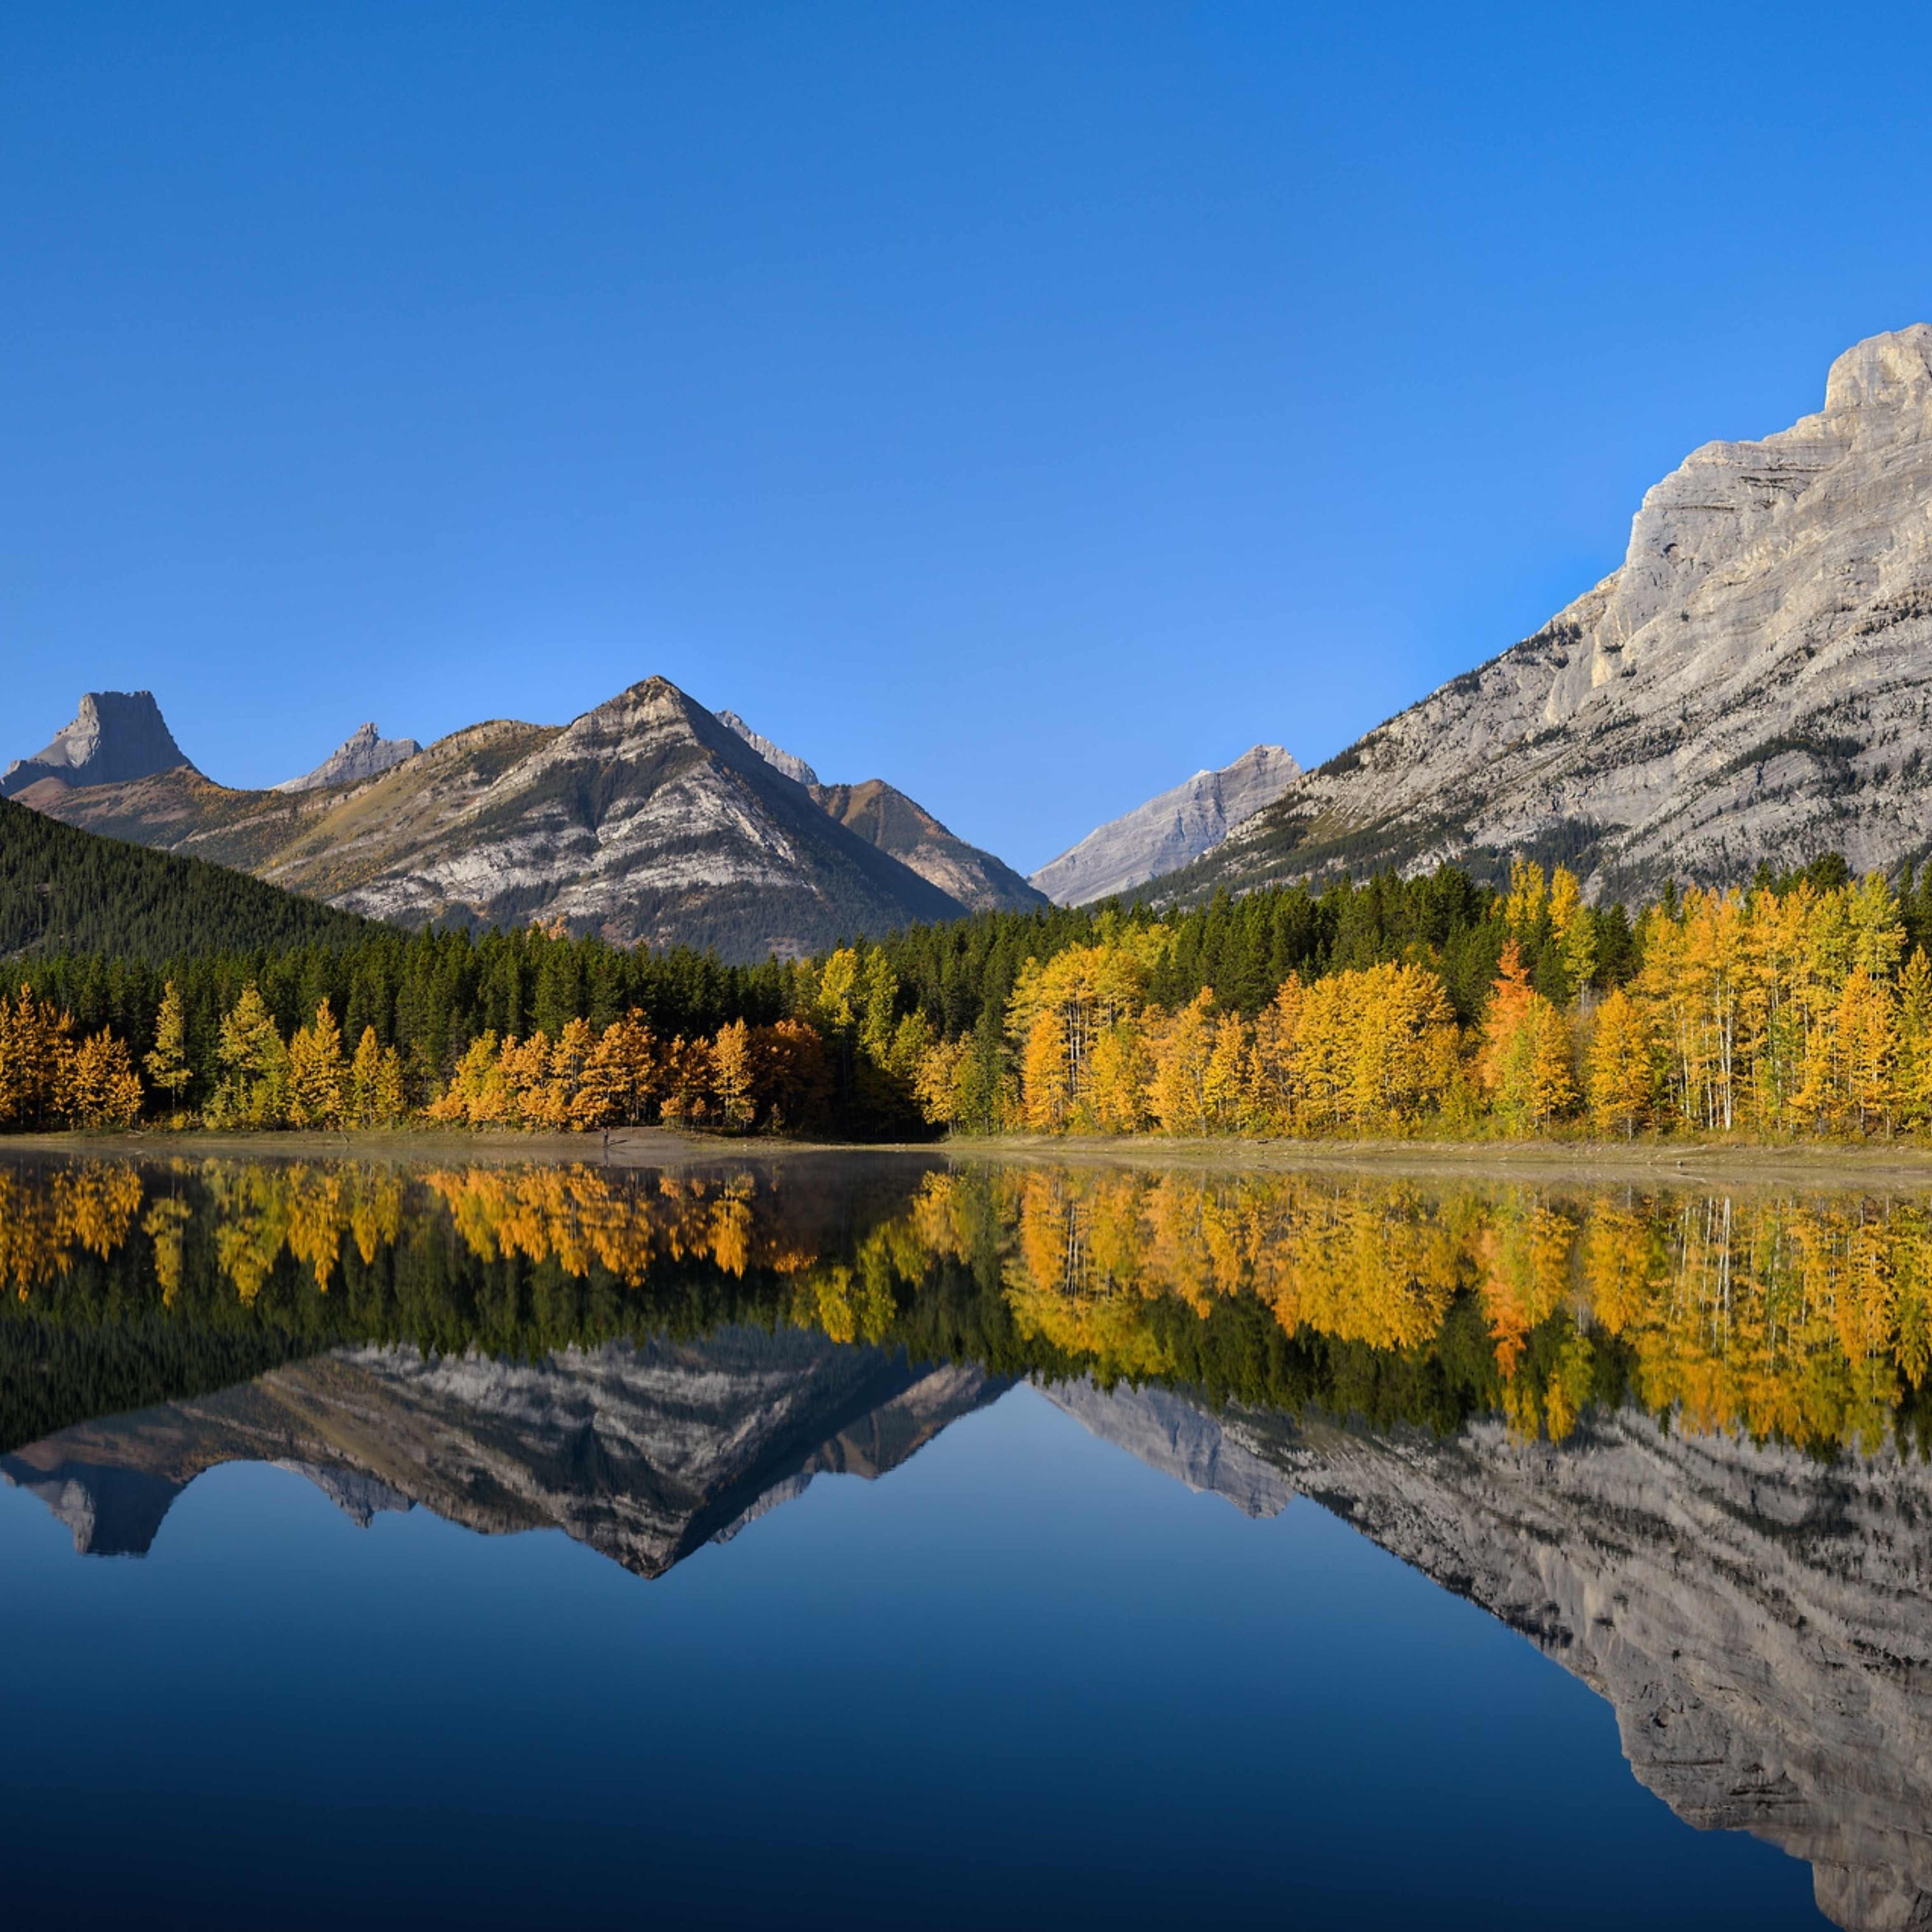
884,816
364,755
647,820
1758,1621
117,735
64,890
644,1453
797,769
1169,831
1754,682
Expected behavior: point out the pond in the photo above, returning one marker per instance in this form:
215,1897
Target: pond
831,1539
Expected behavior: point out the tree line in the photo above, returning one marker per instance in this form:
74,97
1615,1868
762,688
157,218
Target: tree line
1801,1004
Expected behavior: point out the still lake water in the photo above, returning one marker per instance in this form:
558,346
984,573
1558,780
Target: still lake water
844,1541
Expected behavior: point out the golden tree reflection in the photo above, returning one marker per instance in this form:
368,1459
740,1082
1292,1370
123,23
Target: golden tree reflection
1804,1318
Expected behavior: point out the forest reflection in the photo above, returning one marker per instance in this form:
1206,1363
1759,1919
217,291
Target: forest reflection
1806,1320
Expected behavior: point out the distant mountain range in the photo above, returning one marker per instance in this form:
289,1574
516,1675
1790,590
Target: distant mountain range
1168,832
1753,683
647,820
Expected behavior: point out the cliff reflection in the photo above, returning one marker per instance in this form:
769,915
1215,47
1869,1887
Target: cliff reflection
1473,1374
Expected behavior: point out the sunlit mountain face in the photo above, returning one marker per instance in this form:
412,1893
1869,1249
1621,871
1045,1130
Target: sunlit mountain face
1673,1438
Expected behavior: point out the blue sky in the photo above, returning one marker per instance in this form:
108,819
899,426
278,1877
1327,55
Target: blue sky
1028,404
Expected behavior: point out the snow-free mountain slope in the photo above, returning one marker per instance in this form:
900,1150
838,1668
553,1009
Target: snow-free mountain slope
115,735
645,821
1168,831
1754,682
366,754
884,816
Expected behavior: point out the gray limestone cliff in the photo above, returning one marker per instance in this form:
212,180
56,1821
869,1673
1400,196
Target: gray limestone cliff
795,768
115,736
1168,832
1754,681
365,754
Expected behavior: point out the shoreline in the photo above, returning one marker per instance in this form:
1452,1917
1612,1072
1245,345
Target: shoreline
1677,1164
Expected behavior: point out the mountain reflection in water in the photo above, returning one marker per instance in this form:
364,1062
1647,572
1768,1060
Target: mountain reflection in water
1677,1439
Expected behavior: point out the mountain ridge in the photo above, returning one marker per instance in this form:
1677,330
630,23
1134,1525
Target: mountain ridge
364,754
1170,830
1752,683
645,819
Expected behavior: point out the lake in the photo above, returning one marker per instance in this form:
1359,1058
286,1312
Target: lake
841,1539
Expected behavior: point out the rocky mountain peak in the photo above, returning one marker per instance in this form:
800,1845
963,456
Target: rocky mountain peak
115,736
1885,375
1168,831
365,754
794,768
1754,682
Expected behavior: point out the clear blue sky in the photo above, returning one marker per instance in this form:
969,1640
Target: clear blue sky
1028,404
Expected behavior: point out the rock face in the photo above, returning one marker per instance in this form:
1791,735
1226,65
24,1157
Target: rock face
884,816
1169,832
1754,682
645,821
795,768
644,1453
1760,1623
116,736
364,755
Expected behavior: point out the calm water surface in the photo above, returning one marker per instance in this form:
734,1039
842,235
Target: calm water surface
847,1540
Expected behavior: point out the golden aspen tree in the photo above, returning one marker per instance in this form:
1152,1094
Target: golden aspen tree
1779,1012
167,1064
568,1060
102,1088
523,1066
1621,1076
1528,899
1118,1073
1222,1088
253,1088
687,1076
732,1076
1325,1056
1868,1035
620,1076
1181,1051
936,1083
1525,1060
1274,1088
376,1096
316,1076
35,1043
1045,1088
1912,1071
1877,927
1574,931
476,1095
1399,1037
